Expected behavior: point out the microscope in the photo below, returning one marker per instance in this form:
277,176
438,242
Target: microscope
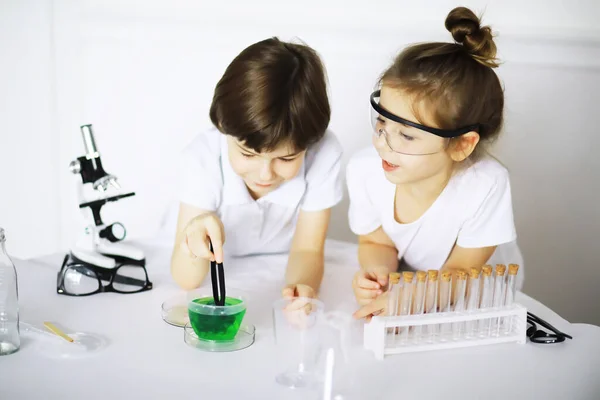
99,245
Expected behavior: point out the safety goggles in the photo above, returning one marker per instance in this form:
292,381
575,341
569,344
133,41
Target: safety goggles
536,335
402,140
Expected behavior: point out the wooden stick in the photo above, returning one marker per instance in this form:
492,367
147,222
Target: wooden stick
54,329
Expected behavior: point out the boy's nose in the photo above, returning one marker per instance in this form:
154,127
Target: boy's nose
266,172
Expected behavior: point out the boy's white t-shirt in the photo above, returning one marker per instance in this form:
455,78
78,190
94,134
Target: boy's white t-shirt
474,210
266,225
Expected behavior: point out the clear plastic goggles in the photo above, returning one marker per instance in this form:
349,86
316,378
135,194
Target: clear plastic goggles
402,138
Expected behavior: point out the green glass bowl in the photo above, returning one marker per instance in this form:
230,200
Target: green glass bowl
212,322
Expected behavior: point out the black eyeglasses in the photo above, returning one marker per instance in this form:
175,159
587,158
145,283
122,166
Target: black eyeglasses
536,335
79,279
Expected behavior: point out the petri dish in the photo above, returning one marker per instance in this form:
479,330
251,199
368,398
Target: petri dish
243,339
174,311
84,345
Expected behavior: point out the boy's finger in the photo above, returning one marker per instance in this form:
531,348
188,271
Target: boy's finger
288,291
299,304
216,238
305,291
197,247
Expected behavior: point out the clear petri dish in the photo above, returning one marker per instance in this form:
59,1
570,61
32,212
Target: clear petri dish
83,345
174,311
243,339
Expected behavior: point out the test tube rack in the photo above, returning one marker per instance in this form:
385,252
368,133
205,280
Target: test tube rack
445,330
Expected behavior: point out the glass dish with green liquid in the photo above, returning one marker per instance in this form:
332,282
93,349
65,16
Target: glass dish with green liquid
218,323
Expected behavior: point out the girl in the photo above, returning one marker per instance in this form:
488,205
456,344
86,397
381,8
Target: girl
428,194
265,178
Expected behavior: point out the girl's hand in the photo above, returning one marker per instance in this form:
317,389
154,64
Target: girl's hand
197,234
368,283
373,308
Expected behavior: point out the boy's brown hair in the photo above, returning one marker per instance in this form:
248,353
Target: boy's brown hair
273,93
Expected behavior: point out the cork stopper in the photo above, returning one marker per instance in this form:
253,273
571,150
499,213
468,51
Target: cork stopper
513,269
487,270
462,275
421,275
474,273
500,269
395,278
432,274
408,276
446,276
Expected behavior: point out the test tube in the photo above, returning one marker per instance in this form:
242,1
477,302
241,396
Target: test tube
445,303
419,303
487,291
406,301
469,271
431,301
459,303
511,289
498,299
393,297
472,300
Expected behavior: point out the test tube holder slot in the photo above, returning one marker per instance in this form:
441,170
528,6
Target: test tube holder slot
377,337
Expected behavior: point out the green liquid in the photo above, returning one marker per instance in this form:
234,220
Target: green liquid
216,327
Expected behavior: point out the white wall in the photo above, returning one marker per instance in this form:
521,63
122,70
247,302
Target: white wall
29,172
142,72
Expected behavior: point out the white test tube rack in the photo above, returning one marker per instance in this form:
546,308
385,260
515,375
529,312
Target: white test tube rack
378,339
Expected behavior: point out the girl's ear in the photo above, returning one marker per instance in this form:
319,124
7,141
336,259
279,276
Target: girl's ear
463,146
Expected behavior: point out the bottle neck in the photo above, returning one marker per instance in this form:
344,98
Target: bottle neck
3,254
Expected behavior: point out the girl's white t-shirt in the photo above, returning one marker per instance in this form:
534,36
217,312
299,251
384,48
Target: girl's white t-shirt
474,210
266,225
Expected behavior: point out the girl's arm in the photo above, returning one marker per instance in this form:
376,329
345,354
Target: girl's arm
377,249
462,258
191,257
306,261
378,256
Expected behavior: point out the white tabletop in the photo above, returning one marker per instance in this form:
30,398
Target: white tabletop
147,358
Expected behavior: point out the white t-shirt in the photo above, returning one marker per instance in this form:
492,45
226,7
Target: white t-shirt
266,225
474,210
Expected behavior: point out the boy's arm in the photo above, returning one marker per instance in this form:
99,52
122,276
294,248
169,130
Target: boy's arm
306,262
187,270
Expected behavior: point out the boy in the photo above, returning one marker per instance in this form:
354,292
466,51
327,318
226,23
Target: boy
265,178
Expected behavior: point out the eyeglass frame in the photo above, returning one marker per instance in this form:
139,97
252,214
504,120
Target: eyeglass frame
539,336
445,133
99,273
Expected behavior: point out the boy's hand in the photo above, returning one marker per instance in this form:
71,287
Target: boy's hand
298,290
197,234
299,309
368,283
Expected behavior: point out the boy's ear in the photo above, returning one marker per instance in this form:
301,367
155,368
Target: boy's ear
463,146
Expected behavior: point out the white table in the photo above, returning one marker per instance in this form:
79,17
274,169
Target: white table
147,359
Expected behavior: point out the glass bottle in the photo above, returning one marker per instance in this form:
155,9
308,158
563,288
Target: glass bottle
9,304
